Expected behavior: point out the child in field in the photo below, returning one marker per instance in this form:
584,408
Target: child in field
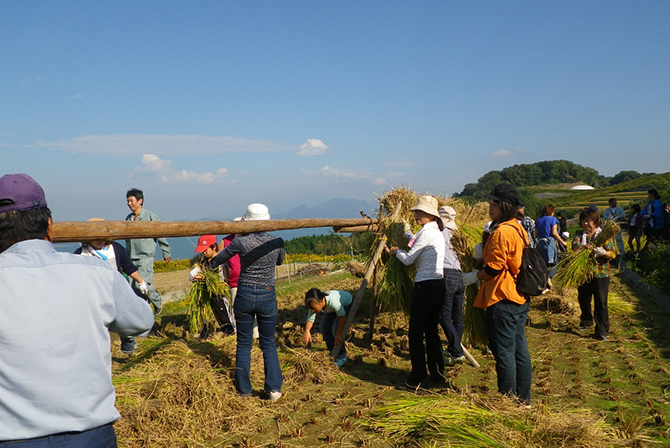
335,305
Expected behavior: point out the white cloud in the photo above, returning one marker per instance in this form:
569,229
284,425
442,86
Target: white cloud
502,153
379,181
78,96
163,168
396,174
184,145
313,147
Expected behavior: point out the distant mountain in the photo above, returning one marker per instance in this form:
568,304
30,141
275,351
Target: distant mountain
334,208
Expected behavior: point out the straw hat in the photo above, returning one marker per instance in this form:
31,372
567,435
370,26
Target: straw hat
427,204
447,214
256,212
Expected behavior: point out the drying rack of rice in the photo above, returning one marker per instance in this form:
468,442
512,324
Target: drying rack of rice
396,287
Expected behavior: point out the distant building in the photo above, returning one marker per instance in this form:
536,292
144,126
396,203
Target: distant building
582,187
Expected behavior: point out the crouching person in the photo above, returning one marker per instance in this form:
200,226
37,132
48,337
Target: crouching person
336,306
57,310
220,306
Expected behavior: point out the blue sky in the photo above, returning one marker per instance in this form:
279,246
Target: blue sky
208,106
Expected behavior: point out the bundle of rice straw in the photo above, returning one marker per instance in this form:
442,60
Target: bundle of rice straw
199,296
396,285
577,268
474,319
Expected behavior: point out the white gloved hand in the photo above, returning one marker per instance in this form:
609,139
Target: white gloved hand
406,226
143,287
599,251
193,274
469,278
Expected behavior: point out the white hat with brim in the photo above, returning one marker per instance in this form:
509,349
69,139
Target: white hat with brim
427,204
447,214
256,212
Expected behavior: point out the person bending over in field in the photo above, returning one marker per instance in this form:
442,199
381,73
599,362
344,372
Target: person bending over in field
335,305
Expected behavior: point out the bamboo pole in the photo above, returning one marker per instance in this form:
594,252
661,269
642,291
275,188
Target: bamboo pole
469,357
77,231
364,284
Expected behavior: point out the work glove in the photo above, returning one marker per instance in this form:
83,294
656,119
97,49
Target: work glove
406,226
143,287
194,273
469,278
599,251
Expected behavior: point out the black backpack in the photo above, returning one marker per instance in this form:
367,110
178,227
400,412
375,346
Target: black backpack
533,275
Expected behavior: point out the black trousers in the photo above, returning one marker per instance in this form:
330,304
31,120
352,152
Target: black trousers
423,320
597,289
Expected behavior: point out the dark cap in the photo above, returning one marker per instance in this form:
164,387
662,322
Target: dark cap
505,193
20,192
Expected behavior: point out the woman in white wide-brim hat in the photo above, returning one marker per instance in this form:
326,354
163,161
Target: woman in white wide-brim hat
256,299
427,251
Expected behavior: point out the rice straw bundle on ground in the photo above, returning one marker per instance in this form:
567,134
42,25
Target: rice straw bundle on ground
199,297
474,319
496,422
577,268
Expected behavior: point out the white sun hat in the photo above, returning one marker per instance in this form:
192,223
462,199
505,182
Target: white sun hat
256,212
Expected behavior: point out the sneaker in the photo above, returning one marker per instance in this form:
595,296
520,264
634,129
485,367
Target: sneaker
274,395
450,360
340,362
600,338
158,310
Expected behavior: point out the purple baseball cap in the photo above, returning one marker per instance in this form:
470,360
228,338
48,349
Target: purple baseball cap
20,192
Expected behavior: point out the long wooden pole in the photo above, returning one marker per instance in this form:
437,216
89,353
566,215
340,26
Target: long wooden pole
355,229
75,231
359,294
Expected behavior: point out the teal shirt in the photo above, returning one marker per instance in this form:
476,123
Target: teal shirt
335,302
146,247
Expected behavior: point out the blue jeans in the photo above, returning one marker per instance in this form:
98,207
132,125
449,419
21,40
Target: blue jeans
451,318
547,249
259,302
100,437
505,327
328,328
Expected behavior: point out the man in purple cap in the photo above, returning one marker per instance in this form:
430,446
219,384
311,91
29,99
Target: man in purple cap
57,311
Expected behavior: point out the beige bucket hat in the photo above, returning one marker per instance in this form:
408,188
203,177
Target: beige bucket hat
427,204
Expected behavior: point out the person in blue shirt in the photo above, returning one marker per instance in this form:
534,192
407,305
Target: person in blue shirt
336,306
653,212
546,231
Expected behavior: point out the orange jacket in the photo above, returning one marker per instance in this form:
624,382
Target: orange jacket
502,251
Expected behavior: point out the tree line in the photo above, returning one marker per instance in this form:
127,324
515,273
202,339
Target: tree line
331,244
542,173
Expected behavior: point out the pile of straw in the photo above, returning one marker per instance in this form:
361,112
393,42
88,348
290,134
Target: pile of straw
577,268
178,398
490,422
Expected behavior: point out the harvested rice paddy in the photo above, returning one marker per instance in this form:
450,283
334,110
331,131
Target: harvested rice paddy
176,391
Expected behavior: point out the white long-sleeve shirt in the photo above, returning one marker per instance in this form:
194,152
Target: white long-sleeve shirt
428,253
